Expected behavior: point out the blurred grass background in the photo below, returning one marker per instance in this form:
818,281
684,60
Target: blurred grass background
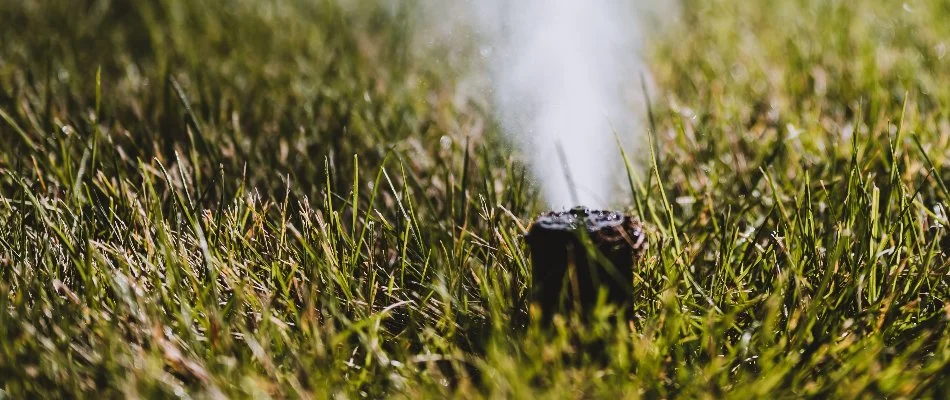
290,199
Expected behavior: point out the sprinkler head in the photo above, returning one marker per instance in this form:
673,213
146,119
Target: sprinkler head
578,252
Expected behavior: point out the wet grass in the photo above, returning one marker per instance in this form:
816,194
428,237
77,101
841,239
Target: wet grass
248,199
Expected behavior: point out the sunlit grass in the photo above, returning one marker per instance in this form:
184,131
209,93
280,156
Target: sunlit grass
256,199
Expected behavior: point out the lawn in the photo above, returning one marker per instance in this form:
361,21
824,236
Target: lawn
300,199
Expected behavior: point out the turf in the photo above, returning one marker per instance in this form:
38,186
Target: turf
290,199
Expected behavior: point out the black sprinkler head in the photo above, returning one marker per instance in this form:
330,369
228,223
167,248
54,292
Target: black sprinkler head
578,252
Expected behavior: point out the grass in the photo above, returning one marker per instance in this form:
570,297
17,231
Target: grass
251,199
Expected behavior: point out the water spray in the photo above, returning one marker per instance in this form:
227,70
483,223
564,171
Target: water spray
564,81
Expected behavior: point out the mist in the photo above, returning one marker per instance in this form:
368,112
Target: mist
561,73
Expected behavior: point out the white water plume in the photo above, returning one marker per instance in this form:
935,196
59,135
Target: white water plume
563,73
